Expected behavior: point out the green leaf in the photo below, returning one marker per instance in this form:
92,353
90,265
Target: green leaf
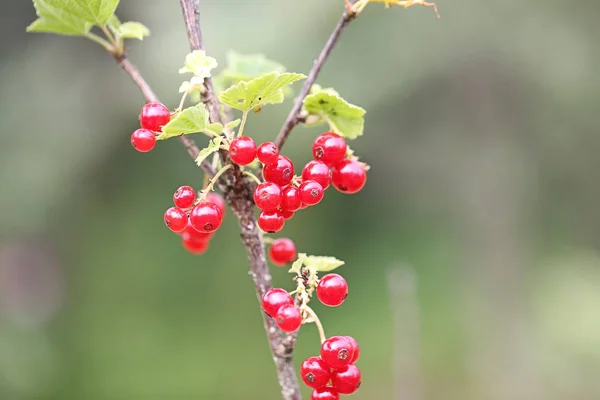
213,146
133,30
215,128
242,67
297,265
199,64
114,24
233,124
95,11
322,263
266,89
60,17
344,118
191,120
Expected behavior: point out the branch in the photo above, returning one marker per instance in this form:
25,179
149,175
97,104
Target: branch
293,118
238,193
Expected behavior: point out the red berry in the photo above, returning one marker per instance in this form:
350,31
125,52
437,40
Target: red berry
154,116
346,380
267,196
242,150
184,197
282,251
194,244
274,299
348,176
325,393
291,200
271,222
217,200
336,351
267,153
311,192
176,219
206,217
329,148
288,318
314,372
317,171
190,231
355,349
287,214
143,140
280,172
332,290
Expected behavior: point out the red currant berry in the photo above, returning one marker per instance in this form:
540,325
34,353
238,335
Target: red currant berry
288,318
311,192
267,153
336,351
176,219
242,150
143,140
348,176
287,214
271,222
332,290
314,372
346,380
190,231
154,116
193,244
291,200
355,349
317,171
217,200
329,148
325,393
282,251
274,299
267,196
184,197
206,217
280,172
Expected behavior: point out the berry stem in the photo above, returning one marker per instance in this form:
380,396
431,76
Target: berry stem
211,184
102,42
183,97
243,123
317,322
253,177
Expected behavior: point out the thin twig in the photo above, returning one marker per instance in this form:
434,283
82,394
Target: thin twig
294,118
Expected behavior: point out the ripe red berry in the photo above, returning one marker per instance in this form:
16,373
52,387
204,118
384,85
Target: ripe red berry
267,196
282,251
332,290
314,372
291,200
329,148
274,299
184,197
217,200
280,172
271,222
176,219
267,153
355,349
346,380
206,217
317,171
311,192
336,351
287,214
288,318
194,244
190,231
143,140
325,393
348,176
242,150
154,116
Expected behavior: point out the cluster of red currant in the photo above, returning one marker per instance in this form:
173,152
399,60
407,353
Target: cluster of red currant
152,118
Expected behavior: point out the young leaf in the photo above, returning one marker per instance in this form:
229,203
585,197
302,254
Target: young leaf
133,30
322,263
266,89
95,11
344,118
114,24
58,16
297,265
233,124
215,128
199,64
213,146
242,67
191,120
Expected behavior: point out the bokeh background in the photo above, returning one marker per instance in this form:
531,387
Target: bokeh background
472,253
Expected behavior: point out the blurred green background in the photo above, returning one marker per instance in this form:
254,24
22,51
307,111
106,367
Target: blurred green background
472,253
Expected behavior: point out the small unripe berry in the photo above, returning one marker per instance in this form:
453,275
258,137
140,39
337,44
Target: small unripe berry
176,219
143,140
184,197
267,153
329,148
154,116
282,251
242,150
288,318
332,290
274,299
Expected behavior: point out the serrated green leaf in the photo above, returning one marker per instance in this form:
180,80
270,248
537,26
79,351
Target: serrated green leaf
266,89
199,64
244,67
233,124
322,263
344,118
213,146
191,120
133,30
215,128
297,265
60,17
95,11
